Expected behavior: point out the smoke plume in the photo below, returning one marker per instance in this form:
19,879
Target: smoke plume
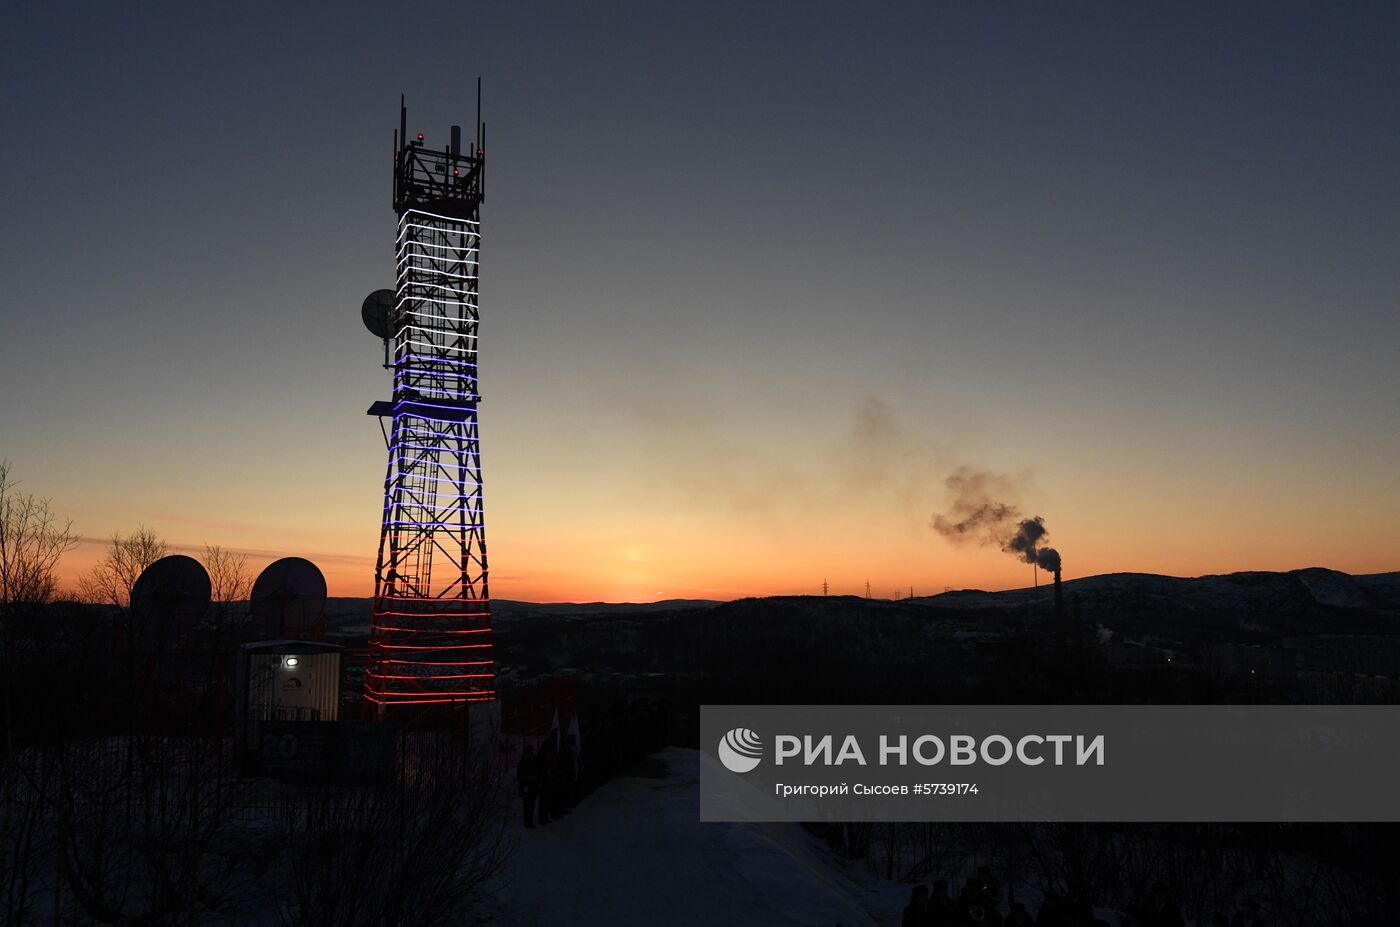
977,515
1025,543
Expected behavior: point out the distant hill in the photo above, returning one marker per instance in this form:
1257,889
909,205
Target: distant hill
345,615
1308,601
1321,585
900,645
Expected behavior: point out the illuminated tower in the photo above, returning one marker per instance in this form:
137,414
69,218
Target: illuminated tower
430,643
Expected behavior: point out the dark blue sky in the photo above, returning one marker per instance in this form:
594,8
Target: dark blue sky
1145,255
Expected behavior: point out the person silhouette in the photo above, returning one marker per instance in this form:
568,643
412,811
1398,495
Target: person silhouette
527,774
1019,917
916,911
942,910
976,907
1248,915
1161,909
987,886
565,777
548,779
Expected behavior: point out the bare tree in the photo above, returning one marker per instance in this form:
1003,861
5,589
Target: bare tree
26,844
144,828
229,579
32,540
421,851
111,579
229,582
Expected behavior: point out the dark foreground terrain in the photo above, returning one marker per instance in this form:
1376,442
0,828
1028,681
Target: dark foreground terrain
123,802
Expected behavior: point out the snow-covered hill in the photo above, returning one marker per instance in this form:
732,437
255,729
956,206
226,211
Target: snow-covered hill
1292,590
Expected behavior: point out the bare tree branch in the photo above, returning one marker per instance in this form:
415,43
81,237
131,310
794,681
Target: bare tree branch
229,578
32,540
111,579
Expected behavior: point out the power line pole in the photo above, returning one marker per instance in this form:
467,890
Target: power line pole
825,588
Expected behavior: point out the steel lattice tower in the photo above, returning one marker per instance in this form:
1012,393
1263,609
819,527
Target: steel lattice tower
430,642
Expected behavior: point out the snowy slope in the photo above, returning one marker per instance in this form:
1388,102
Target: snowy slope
635,852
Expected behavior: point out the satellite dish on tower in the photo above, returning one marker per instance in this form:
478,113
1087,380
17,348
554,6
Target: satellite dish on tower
375,312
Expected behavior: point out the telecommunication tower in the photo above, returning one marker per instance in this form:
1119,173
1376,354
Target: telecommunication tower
430,640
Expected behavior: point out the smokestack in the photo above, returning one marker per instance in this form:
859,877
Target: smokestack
1061,624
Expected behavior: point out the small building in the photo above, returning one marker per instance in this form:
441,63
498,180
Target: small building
288,681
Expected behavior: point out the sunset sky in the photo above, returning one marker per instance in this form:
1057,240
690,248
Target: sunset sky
756,278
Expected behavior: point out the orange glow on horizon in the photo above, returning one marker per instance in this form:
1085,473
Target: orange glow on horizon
619,575
785,511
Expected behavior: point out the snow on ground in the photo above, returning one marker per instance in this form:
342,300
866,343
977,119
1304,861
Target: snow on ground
635,852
